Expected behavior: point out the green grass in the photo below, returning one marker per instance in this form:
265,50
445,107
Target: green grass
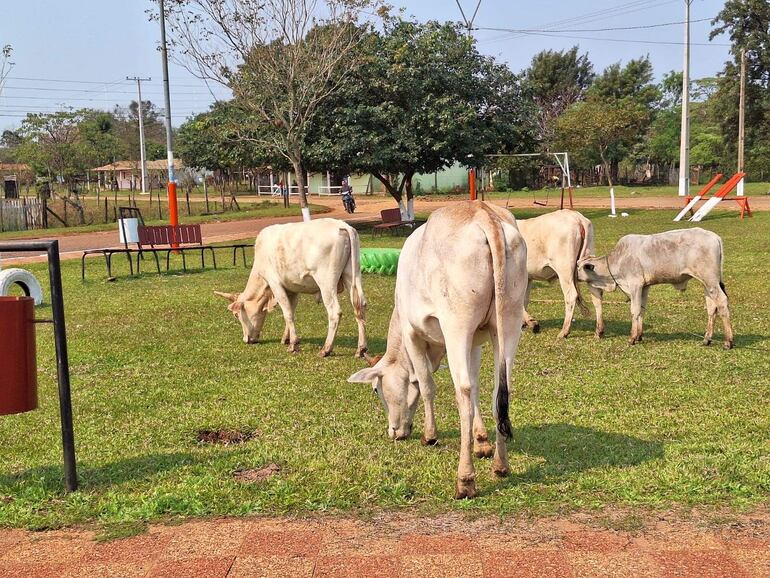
621,192
597,424
262,210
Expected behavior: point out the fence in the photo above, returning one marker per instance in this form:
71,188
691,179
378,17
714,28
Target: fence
21,214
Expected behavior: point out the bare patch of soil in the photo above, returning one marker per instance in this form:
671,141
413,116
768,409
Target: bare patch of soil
223,437
257,475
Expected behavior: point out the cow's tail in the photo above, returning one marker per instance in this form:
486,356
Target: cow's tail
493,230
357,297
586,246
721,266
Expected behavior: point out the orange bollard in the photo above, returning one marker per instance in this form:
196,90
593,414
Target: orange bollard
173,210
18,367
472,183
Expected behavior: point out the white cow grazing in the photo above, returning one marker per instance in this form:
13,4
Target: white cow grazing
316,257
555,243
461,280
675,257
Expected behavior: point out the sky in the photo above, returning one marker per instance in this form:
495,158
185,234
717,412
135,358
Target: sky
78,53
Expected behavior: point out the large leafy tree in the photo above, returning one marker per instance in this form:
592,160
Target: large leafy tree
423,99
281,58
555,80
747,23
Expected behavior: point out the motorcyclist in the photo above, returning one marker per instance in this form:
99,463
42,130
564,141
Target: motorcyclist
346,191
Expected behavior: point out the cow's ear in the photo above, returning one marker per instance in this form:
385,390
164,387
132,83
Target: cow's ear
235,306
588,266
368,375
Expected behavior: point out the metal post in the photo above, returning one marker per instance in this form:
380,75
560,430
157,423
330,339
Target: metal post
684,140
141,131
62,359
172,204
741,122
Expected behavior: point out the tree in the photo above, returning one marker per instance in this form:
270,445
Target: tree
596,127
126,126
281,58
747,22
556,80
423,99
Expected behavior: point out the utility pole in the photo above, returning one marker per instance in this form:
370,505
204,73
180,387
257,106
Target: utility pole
469,27
684,141
141,130
172,205
741,121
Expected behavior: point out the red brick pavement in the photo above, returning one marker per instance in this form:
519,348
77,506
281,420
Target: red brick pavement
395,546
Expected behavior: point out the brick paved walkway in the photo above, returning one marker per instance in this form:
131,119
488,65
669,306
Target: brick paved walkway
396,546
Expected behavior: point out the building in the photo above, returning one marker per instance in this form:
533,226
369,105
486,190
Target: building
127,175
14,175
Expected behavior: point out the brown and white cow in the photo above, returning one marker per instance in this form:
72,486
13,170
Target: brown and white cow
555,243
320,257
639,261
461,280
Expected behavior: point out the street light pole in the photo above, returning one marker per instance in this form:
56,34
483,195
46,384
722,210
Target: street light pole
741,123
141,131
173,213
684,141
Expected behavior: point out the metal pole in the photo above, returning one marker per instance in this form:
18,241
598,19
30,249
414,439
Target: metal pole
741,122
172,204
684,140
141,131
62,360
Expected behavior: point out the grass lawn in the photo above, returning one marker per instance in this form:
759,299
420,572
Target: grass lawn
250,211
597,424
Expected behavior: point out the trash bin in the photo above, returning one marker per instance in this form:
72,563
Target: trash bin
18,368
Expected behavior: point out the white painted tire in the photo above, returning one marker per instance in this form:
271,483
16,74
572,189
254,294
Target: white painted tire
25,279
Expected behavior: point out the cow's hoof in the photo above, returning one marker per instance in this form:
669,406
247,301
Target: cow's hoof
465,490
562,335
325,353
632,341
361,352
535,328
501,471
483,450
293,348
599,334
706,342
428,442
728,344
285,340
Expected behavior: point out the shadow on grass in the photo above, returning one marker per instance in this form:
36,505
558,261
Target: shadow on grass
51,477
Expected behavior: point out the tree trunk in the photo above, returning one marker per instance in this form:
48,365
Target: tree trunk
607,172
409,198
299,174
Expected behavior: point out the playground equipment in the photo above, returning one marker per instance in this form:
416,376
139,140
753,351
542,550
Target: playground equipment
562,158
24,279
382,261
18,378
718,197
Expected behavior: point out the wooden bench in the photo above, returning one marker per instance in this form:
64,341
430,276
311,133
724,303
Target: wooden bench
391,221
164,238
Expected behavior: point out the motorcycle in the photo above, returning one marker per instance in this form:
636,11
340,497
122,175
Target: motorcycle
349,202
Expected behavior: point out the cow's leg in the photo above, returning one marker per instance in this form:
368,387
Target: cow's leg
334,313
359,309
640,324
711,310
567,283
293,297
500,466
717,294
481,446
636,314
596,298
530,321
423,370
288,304
459,347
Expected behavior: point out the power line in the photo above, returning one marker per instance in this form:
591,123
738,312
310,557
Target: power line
642,27
625,40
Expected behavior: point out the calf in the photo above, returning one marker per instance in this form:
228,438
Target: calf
555,243
461,280
320,257
640,261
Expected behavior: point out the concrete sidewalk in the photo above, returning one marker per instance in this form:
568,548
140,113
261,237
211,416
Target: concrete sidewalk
395,546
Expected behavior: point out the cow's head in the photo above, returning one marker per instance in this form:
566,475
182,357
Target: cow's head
399,396
250,312
596,272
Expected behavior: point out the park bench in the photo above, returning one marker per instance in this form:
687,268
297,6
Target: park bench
163,239
391,221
